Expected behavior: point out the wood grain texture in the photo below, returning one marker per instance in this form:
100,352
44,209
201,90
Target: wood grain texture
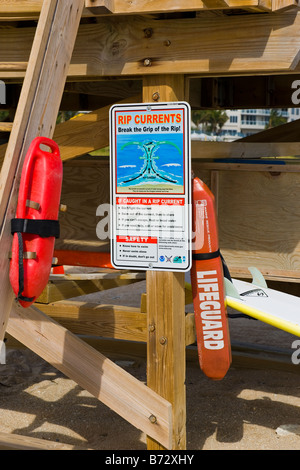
117,46
110,321
156,6
166,347
166,308
82,134
85,188
27,9
36,115
241,149
107,321
258,218
111,384
259,222
18,442
256,207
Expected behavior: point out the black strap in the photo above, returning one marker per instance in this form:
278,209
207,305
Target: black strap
214,254
205,256
225,269
21,272
43,227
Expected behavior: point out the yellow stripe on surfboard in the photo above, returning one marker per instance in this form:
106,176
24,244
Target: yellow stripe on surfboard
287,326
272,320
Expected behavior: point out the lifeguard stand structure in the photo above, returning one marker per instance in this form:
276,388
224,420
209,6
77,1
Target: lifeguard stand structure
89,54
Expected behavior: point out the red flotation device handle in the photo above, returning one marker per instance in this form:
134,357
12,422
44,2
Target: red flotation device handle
207,277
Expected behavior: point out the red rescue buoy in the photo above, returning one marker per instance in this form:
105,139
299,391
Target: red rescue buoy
36,224
207,278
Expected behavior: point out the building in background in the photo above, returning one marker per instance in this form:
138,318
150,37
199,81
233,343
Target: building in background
244,122
240,123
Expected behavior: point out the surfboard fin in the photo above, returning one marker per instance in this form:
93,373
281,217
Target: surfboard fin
257,277
230,290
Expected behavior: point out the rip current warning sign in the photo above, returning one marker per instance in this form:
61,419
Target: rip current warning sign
150,186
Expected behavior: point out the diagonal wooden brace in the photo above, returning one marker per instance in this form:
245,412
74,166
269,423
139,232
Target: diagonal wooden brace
112,385
36,115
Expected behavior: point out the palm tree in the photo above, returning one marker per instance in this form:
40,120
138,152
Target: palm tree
213,120
200,117
275,119
217,119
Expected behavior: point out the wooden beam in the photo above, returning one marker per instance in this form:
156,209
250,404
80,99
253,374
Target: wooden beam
20,9
288,132
267,238
111,321
166,307
5,126
36,115
119,46
86,132
240,150
166,347
278,5
30,9
100,6
156,6
239,92
112,385
256,166
83,134
66,287
17,442
26,10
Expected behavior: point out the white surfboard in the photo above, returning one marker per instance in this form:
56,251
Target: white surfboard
268,305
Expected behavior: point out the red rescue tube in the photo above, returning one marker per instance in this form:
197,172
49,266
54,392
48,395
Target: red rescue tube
207,279
38,200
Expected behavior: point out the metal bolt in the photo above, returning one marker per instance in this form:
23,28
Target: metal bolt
155,96
147,62
152,328
163,340
63,208
167,43
152,419
148,32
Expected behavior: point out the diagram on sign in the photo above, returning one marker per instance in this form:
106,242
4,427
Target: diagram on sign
155,165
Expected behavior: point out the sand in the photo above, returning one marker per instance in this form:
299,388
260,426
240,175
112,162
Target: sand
250,409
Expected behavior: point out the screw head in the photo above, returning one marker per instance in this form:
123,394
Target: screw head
152,419
148,32
155,96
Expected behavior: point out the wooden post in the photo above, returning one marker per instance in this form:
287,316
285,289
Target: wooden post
36,115
166,306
